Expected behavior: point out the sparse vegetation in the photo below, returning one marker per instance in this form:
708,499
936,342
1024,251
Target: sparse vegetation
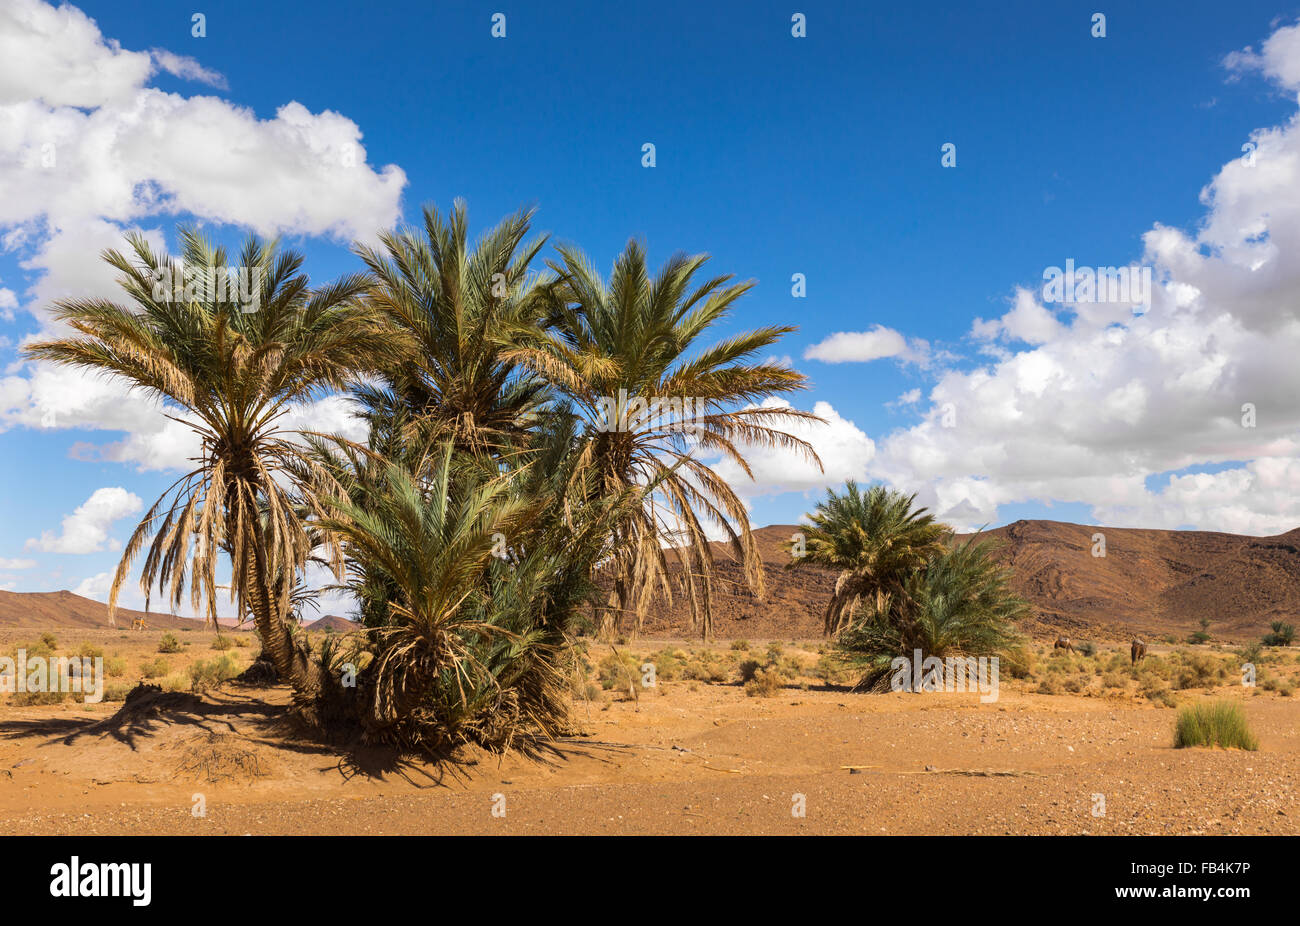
155,668
1218,723
168,643
206,674
1282,634
766,682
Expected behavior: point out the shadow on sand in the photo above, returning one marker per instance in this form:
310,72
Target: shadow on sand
240,710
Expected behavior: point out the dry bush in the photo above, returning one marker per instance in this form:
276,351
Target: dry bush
766,683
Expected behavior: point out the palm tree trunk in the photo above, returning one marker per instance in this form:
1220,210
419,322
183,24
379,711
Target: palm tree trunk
277,642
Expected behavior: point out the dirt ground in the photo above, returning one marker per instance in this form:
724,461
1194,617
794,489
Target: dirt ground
686,756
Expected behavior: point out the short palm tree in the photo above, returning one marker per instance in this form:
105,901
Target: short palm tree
473,643
231,374
876,539
614,349
959,604
455,302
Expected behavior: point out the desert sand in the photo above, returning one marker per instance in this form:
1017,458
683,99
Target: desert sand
686,756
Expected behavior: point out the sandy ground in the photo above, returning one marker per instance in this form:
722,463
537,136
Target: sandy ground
687,757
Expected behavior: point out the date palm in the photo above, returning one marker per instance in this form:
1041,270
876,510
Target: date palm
876,539
455,301
614,349
959,604
231,375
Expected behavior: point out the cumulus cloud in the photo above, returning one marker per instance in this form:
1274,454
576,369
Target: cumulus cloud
845,451
86,529
1087,406
864,346
1099,405
58,56
1278,58
90,152
187,68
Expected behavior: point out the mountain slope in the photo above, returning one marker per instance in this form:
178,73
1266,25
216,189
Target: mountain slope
1151,582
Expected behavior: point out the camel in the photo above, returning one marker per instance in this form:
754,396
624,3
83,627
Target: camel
139,624
1138,651
1063,643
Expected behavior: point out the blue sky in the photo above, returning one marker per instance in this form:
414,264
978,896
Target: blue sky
777,155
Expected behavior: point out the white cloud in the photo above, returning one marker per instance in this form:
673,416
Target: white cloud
16,563
1278,58
57,56
1088,404
1027,321
845,452
864,346
88,152
86,529
1100,399
187,68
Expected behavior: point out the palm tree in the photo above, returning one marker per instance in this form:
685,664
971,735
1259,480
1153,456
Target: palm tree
653,402
876,540
231,375
959,604
455,303
475,637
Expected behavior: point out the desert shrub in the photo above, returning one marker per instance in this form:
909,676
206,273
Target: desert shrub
765,683
1152,687
1114,680
50,641
1200,671
1017,661
1198,636
1283,634
115,666
833,669
243,642
39,648
1118,662
748,669
168,643
175,683
670,664
222,642
706,666
1087,649
740,644
209,673
1076,685
1050,684
1218,723
619,670
791,667
91,651
38,698
155,668
117,691
587,691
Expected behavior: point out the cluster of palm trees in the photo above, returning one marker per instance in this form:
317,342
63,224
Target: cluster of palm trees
490,510
906,583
